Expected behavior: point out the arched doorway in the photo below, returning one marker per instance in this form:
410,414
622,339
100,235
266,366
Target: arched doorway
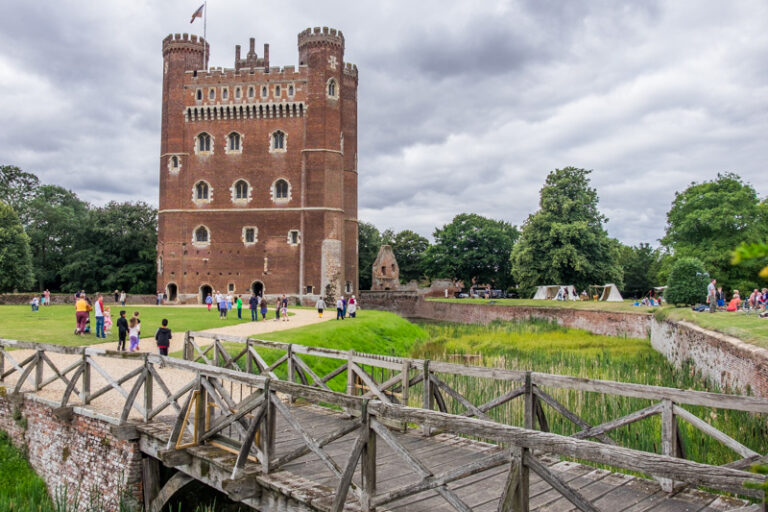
173,292
205,290
257,288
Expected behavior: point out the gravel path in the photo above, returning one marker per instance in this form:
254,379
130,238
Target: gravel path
111,402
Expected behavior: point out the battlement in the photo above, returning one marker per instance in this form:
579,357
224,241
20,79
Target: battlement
183,42
350,69
275,73
321,36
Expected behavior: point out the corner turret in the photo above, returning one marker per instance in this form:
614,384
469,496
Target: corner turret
192,50
319,38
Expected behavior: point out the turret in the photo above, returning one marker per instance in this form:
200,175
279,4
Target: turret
311,40
185,51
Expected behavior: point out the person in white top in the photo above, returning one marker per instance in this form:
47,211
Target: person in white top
712,296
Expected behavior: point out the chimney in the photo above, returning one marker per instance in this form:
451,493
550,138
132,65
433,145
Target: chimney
266,56
237,57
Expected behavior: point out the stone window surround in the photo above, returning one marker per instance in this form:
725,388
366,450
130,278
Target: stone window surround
290,237
224,93
255,236
211,93
199,95
238,93
251,91
273,191
264,91
171,168
291,90
335,82
272,149
278,91
229,151
200,245
233,192
194,193
197,144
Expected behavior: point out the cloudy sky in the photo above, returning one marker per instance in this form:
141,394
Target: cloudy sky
463,106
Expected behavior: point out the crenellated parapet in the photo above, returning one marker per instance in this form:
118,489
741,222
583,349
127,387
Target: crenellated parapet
321,37
183,42
350,70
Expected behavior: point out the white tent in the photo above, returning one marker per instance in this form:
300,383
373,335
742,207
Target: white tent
611,293
553,291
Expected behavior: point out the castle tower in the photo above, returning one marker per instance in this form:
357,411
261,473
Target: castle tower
258,174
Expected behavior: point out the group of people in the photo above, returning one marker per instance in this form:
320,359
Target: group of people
757,300
344,307
120,297
257,303
43,300
83,308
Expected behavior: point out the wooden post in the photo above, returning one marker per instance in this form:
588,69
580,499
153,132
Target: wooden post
368,463
429,397
201,408
350,373
85,390
515,494
216,355
150,480
668,438
405,388
248,356
39,362
529,405
187,350
148,390
2,362
267,429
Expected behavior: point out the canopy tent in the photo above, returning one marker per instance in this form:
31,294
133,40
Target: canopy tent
610,293
553,291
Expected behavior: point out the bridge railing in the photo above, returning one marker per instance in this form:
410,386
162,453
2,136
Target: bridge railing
206,413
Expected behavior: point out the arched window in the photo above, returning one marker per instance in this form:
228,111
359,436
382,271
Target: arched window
281,189
203,142
290,90
199,94
251,92
211,93
264,91
278,140
201,191
174,163
238,93
332,88
277,91
224,93
201,235
241,190
234,141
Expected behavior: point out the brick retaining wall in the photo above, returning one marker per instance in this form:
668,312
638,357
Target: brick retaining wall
69,298
82,454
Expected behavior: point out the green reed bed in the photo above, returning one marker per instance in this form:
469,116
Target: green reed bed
21,490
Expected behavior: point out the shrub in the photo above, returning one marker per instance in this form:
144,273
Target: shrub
687,282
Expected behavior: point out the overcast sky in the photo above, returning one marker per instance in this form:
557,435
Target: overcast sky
463,106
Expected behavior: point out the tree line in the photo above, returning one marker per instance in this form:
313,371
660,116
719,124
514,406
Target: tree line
51,239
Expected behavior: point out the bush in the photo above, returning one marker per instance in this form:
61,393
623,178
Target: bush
687,282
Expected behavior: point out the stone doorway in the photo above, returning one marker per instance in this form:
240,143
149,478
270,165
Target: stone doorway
205,290
257,288
173,292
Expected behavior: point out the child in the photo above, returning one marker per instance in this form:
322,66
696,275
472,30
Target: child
278,305
263,306
209,301
107,321
163,337
320,305
134,331
239,304
284,309
122,331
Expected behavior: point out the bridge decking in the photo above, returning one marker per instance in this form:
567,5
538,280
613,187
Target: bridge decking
310,480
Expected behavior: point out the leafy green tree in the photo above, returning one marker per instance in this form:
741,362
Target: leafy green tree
472,249
17,188
409,248
565,242
58,220
15,257
116,251
368,244
687,282
640,265
707,220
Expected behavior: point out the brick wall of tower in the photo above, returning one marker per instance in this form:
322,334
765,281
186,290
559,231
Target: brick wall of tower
322,204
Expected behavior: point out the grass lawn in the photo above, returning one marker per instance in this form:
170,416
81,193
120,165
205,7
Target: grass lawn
747,327
625,306
56,324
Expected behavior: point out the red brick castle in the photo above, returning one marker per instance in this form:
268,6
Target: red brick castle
258,172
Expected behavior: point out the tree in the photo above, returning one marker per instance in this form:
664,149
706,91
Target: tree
368,244
15,257
707,220
687,282
472,249
17,188
640,265
564,242
409,248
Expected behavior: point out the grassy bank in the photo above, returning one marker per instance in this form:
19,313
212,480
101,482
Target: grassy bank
56,324
21,490
625,306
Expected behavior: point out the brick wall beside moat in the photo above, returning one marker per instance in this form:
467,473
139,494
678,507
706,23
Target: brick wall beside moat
726,361
80,454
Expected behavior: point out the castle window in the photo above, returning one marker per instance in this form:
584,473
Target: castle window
281,191
278,141
250,235
203,143
211,93
251,92
201,237
174,164
201,191
224,93
234,141
293,237
349,287
332,89
290,90
277,91
199,95
238,93
264,91
241,190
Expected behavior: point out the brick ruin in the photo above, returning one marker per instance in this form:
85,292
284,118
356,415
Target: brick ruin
258,171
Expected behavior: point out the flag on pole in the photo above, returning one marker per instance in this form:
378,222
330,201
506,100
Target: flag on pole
197,14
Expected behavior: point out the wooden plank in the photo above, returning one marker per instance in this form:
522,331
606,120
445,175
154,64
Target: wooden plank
714,433
349,470
368,381
601,429
174,458
150,480
471,409
321,441
130,400
125,432
242,488
317,380
571,494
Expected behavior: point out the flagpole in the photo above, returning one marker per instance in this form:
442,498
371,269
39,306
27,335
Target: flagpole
205,35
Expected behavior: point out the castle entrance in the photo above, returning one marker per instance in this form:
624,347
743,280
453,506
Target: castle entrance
257,288
172,290
205,290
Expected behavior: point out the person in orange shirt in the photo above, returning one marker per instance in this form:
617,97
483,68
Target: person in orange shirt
735,302
81,313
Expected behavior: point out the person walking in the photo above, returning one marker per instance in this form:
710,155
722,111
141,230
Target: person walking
339,309
253,303
47,295
134,331
352,307
98,312
81,314
239,304
222,309
320,305
122,331
712,296
284,308
278,305
263,305
163,338
117,296
209,301
122,298
344,308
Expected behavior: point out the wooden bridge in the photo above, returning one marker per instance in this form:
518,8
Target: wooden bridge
276,437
